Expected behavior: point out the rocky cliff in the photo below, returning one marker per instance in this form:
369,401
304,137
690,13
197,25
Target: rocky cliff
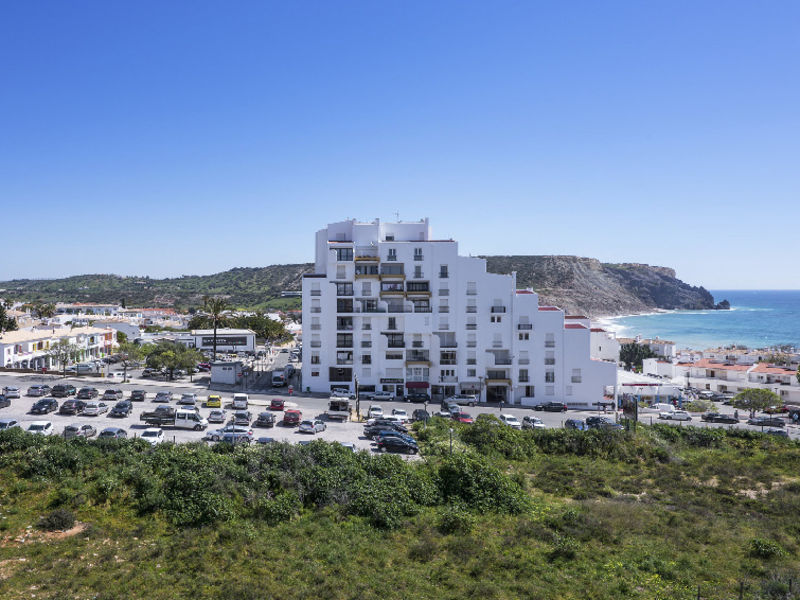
587,286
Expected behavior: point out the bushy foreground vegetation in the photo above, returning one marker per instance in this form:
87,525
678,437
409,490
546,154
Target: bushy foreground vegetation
535,514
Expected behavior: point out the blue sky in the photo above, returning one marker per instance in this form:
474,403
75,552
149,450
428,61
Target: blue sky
169,138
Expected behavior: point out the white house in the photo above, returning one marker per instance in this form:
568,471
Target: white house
605,345
29,348
390,308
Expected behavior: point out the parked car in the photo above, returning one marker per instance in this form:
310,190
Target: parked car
462,417
529,422
767,422
38,390
396,444
375,411
373,429
676,415
189,399
380,395
214,401
216,435
277,404
705,394
718,418
4,402
314,426
778,432
236,438
265,440
63,390
417,397
72,407
602,423
79,430
8,424
11,391
776,410
217,416
87,393
163,397
420,415
511,421
578,424
400,413
112,395
241,401
551,407
44,406
121,409
148,372
41,428
264,419
138,396
241,417
291,418
462,399
114,432
95,409
153,435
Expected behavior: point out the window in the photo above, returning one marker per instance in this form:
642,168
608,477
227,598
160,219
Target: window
417,253
366,326
389,237
549,390
394,356
417,272
443,306
392,323
444,292
447,358
443,272
315,373
524,336
569,390
418,286
472,288
344,289
366,359
549,358
315,291
391,254
523,375
496,318
340,272
523,358
576,375
344,305
315,359
344,254
550,377
366,288
344,358
395,340
470,372
549,340
344,340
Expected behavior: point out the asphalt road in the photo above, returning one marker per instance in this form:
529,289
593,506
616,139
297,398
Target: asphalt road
310,407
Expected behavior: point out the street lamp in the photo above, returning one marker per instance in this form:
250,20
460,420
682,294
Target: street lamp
480,388
451,441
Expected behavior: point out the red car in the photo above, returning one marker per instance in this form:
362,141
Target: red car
462,418
292,418
276,404
776,410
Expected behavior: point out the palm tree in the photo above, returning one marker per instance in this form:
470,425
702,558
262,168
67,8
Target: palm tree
215,309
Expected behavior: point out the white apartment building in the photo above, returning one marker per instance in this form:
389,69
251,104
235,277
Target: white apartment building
605,345
29,348
393,309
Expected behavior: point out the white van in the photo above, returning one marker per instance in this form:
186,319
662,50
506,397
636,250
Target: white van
278,379
663,408
240,401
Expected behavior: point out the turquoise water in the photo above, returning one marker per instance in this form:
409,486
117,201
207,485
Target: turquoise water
757,319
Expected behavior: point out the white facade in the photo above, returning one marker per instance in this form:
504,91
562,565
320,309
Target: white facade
226,373
605,345
29,348
228,340
403,312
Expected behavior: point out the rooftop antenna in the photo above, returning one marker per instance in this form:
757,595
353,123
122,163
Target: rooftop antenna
397,216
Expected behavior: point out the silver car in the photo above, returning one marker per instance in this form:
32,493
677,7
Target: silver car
95,409
312,426
11,391
217,416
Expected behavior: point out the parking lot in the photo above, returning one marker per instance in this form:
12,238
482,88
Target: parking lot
310,407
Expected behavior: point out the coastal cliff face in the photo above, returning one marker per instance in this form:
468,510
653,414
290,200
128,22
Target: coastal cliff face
587,286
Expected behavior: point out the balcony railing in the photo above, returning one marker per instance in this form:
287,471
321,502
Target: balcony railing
525,326
448,379
502,361
417,355
395,345
498,309
344,362
368,253
448,361
416,344
344,327
422,309
448,344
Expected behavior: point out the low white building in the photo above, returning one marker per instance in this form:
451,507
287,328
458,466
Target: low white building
228,340
227,373
605,345
29,348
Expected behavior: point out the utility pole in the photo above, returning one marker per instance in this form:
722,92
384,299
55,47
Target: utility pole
358,400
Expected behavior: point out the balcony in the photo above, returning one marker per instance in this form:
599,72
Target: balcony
342,327
498,309
344,293
448,362
422,309
395,345
364,273
315,292
502,361
448,344
392,272
416,344
525,326
418,355
366,254
448,379
342,344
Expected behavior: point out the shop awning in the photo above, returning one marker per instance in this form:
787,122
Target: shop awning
416,384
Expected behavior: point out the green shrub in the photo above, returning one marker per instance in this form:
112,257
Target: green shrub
455,518
564,547
765,549
58,520
279,508
483,487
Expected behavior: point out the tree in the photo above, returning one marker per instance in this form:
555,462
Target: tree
41,310
215,309
129,354
122,337
7,323
755,399
172,356
263,326
633,354
63,353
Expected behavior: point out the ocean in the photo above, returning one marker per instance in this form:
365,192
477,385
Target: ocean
757,319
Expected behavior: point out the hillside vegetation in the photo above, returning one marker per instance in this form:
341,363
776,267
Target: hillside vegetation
580,285
510,514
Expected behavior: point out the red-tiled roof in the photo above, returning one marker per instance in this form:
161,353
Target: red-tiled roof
524,292
549,308
765,368
575,317
598,330
574,326
705,363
